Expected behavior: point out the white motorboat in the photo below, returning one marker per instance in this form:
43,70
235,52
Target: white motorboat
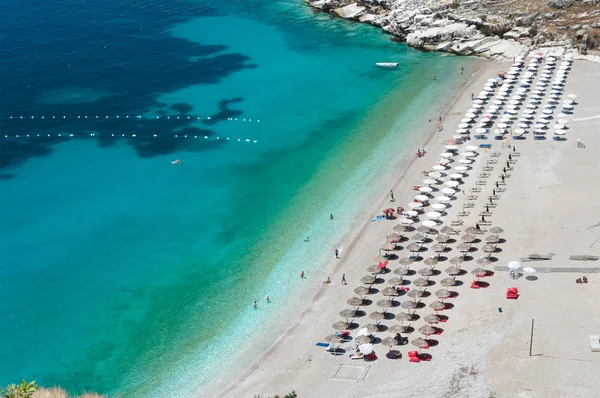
388,65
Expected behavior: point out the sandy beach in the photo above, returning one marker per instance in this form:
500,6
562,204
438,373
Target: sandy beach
545,206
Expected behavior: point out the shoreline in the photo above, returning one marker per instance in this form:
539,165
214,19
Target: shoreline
359,229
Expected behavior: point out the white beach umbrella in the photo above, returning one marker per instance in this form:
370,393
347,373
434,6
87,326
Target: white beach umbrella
481,130
411,213
523,125
530,270
438,167
512,106
422,198
560,132
449,191
434,174
466,120
511,111
456,175
429,181
429,223
468,154
463,125
425,189
514,265
451,147
546,116
503,125
567,106
461,168
548,111
415,205
452,183
471,148
531,106
488,89
438,206
519,131
498,102
562,121
470,115
446,155
443,199
406,221
465,161
461,131
434,215
548,106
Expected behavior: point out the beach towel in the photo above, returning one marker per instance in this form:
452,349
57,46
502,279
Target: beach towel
379,217
322,344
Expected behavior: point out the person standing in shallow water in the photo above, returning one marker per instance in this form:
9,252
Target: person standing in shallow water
331,216
337,253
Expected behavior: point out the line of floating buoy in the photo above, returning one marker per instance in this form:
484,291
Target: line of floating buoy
131,136
97,117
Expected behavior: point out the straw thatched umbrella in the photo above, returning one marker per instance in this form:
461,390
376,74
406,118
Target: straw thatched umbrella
377,316
394,237
448,282
355,301
472,230
389,291
424,230
397,328
348,313
484,261
363,339
447,230
402,228
415,294
361,290
388,246
409,305
468,238
438,248
374,269
443,294
341,325
456,260
437,305
385,303
414,248
430,261
427,330
489,249
403,316
464,247
418,237
431,318
406,261
395,281
368,279
492,239
380,259
442,238
372,328
426,272
478,271
420,342
496,230
330,337
420,282
401,271
453,271
389,342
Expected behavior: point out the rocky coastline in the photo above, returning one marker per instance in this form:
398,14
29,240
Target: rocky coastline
494,29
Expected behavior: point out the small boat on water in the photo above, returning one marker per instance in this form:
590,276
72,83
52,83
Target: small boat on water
387,65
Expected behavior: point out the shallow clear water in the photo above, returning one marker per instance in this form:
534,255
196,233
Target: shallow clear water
123,273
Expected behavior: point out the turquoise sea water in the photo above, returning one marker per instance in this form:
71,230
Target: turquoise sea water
122,273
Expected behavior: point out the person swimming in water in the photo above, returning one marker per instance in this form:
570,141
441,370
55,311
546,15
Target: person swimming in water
177,161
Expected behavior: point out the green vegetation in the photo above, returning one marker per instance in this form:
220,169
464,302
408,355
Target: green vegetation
455,4
289,395
23,390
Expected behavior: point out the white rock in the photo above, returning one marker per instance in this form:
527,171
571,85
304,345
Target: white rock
351,11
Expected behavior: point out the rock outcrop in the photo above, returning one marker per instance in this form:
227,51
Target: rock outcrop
489,28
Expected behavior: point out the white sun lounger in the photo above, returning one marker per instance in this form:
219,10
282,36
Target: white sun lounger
594,343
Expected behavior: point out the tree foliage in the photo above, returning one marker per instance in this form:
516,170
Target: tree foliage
23,390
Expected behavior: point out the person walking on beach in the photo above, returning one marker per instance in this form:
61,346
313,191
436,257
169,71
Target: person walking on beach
344,279
440,118
302,274
392,195
337,253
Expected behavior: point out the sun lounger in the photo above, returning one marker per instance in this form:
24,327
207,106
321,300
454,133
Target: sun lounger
474,285
584,258
357,356
512,293
538,257
371,357
414,359
595,343
487,146
322,344
412,354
